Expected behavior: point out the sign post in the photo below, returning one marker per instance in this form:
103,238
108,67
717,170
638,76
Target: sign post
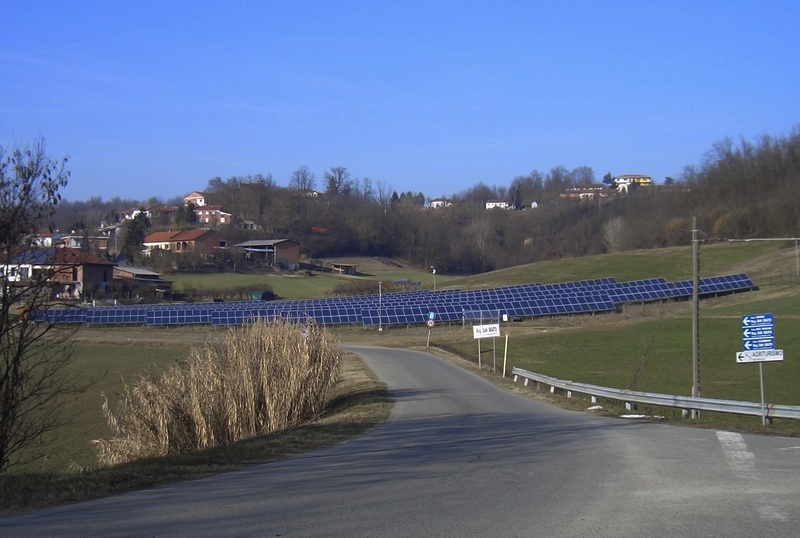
484,331
758,340
430,323
505,355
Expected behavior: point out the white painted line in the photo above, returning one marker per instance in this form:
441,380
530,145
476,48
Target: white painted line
743,463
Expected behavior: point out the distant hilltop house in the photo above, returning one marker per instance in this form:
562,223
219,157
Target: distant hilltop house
195,198
150,211
44,237
496,204
212,214
586,192
439,202
279,252
203,242
624,182
99,241
73,274
206,213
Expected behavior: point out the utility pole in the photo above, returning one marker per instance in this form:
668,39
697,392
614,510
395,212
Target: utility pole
695,317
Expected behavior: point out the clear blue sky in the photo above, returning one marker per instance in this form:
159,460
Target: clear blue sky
155,98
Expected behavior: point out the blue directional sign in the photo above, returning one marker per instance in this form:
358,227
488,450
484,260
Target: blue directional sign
758,332
431,315
754,320
759,343
767,331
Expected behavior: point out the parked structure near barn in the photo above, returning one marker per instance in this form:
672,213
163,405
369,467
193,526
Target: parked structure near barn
283,253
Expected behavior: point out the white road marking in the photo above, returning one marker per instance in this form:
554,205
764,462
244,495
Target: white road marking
743,463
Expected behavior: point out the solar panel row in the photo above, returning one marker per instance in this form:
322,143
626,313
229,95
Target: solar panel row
526,300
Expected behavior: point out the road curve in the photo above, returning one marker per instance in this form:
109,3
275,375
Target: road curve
460,457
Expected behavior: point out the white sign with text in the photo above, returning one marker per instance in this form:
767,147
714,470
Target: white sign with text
486,331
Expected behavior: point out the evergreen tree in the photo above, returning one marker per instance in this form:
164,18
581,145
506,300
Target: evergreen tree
134,237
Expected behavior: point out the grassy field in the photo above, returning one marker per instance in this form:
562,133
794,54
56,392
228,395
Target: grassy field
302,286
770,263
104,366
646,347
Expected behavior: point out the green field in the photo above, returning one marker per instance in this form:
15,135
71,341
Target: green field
766,262
293,286
104,366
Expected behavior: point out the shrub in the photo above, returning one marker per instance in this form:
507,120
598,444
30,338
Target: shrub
263,377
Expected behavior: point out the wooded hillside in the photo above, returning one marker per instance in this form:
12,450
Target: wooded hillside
740,190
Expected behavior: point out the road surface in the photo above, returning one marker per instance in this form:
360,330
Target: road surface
460,457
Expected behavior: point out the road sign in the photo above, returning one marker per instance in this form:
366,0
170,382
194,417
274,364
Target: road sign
759,343
757,320
758,332
763,355
430,323
431,315
767,331
486,331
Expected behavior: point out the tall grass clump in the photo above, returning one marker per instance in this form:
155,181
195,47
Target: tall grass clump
263,377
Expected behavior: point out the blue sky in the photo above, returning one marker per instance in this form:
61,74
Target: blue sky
156,98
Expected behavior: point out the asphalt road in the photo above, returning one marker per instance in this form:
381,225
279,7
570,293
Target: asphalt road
460,457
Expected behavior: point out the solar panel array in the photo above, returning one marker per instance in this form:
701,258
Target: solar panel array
411,307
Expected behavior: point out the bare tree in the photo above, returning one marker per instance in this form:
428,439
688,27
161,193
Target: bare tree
613,232
338,181
583,175
34,354
302,179
384,194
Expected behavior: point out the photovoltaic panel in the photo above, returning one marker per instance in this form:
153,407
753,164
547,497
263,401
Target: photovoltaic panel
178,316
413,307
113,315
60,315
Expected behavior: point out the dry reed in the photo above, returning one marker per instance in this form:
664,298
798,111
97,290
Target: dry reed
263,377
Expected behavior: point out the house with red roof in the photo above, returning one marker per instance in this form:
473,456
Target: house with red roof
202,242
74,274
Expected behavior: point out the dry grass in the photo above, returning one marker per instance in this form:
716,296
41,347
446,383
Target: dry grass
357,403
262,378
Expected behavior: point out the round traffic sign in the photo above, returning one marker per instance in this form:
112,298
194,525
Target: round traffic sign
431,323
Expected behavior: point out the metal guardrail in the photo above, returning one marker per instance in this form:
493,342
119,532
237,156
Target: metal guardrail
665,400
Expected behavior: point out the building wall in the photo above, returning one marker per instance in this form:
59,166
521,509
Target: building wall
288,255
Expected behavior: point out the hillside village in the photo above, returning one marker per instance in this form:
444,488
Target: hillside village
203,235
210,222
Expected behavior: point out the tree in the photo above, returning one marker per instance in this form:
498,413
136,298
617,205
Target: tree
34,355
302,179
583,175
516,196
337,181
613,234
134,237
557,181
